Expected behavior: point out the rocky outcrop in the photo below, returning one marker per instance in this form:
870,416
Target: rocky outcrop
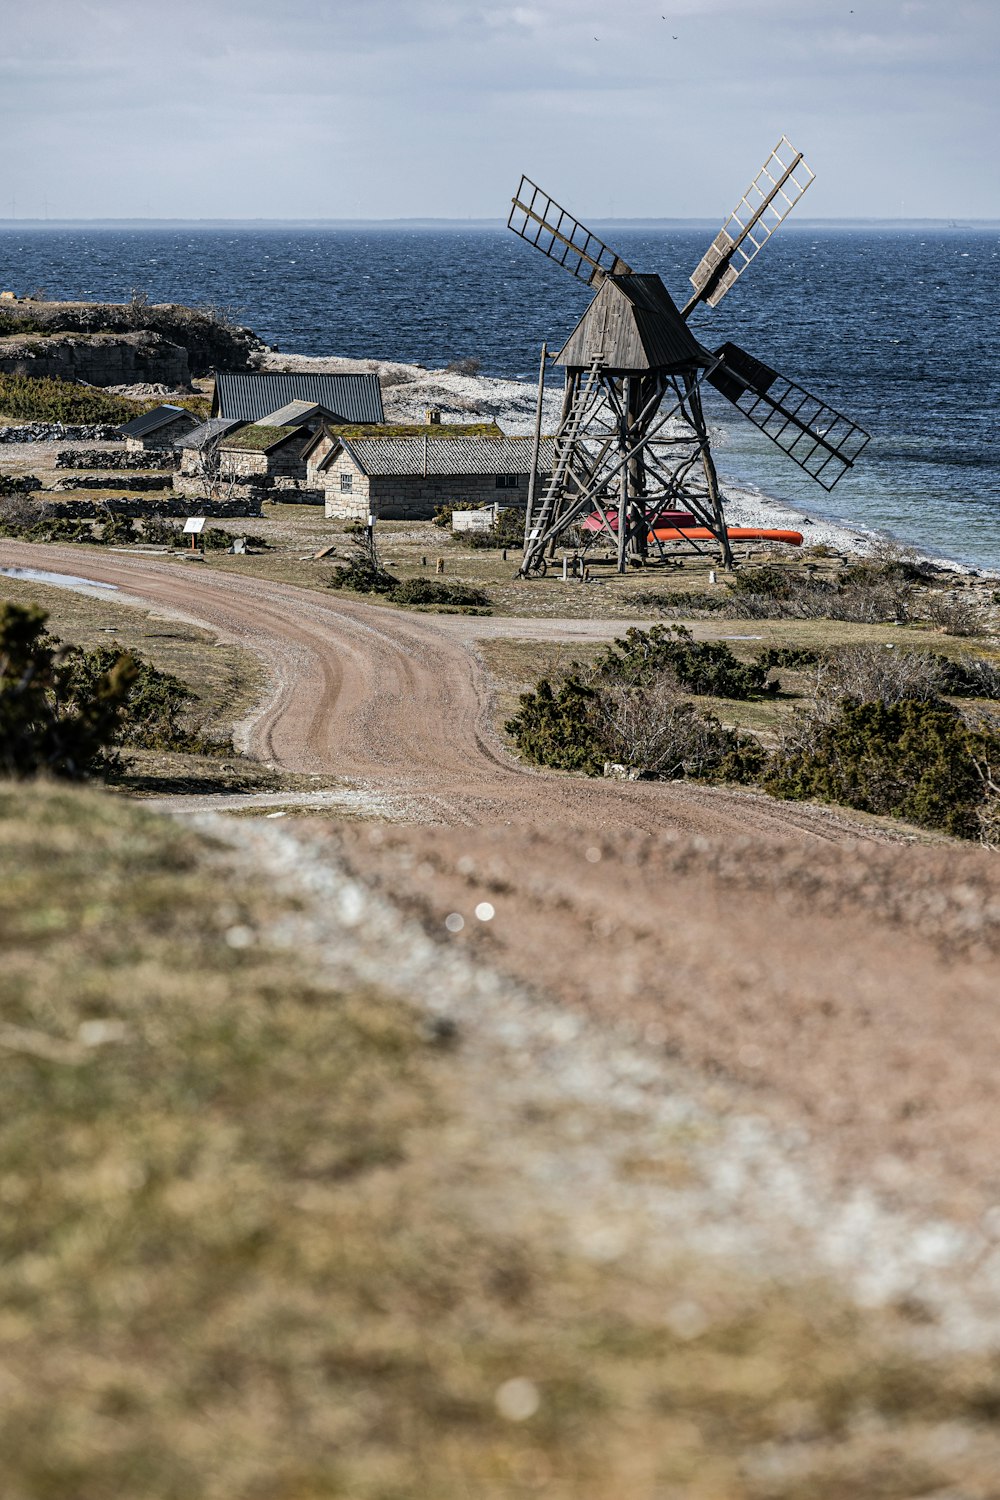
97,359
209,338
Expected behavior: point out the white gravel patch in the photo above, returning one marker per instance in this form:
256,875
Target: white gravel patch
571,1104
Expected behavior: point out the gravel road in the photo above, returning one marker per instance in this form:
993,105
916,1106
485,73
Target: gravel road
843,975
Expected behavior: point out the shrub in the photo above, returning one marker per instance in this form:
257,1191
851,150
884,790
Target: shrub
878,674
702,667
51,719
467,365
673,602
913,759
507,531
41,399
972,677
557,728
954,614
647,727
364,572
436,591
153,704
667,736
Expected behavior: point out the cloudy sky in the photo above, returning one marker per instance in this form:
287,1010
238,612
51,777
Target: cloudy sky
399,108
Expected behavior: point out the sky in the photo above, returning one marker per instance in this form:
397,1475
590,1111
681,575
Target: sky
380,109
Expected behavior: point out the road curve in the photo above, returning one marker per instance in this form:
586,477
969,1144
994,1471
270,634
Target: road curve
397,702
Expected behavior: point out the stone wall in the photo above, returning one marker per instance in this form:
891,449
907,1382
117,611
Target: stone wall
99,359
58,432
115,458
137,506
113,482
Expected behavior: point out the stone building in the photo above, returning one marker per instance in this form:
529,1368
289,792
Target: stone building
406,477
158,429
251,460
252,396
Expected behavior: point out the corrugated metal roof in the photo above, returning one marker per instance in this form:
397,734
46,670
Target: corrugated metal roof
152,421
207,433
249,396
295,413
452,457
633,323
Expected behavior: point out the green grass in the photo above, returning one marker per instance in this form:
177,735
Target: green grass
256,438
244,1253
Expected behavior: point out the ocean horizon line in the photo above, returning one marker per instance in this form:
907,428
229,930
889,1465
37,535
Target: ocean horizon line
800,226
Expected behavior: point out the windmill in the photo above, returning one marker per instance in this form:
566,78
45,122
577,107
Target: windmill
632,447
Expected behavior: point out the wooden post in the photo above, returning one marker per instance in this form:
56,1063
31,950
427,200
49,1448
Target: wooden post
623,478
536,445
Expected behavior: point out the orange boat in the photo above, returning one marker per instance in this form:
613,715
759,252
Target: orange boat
735,534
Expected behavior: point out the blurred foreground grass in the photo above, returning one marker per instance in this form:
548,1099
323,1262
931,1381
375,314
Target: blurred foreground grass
240,1260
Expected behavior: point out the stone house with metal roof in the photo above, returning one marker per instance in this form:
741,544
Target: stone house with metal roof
252,395
406,477
158,429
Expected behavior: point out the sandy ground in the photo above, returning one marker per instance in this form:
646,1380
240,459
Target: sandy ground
841,975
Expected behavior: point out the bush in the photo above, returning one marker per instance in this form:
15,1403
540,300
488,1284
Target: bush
878,674
913,759
507,531
707,668
673,602
435,591
954,615
558,728
467,365
364,572
645,726
54,719
37,399
972,677
153,704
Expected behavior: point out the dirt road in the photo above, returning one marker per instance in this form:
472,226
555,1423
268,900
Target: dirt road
397,702
847,978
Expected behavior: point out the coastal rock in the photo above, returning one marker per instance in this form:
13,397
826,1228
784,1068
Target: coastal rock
97,359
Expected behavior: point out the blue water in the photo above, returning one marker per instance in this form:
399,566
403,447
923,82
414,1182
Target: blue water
898,328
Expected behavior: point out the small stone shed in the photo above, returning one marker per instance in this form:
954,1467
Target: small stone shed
158,429
262,454
406,477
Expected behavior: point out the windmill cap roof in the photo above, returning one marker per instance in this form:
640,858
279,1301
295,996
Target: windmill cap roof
633,324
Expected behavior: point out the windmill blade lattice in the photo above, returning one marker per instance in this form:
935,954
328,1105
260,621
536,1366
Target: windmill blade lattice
820,439
768,200
541,221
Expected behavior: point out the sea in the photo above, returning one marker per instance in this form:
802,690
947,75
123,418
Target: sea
896,327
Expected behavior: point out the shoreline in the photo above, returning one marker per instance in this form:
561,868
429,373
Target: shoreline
410,390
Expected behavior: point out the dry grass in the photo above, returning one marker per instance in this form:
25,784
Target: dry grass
226,679
241,1257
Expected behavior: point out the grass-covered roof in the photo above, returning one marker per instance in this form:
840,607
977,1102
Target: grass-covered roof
419,429
258,439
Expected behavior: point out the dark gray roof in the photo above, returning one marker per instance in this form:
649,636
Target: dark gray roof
152,421
633,324
447,457
295,414
250,396
207,433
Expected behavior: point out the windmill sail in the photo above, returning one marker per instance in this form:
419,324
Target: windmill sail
541,221
821,440
768,200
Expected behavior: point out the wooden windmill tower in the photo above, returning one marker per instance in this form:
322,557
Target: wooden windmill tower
633,442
